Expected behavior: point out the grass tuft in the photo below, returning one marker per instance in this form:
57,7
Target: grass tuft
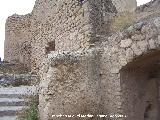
31,113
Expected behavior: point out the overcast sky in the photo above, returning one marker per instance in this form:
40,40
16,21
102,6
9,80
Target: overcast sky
21,7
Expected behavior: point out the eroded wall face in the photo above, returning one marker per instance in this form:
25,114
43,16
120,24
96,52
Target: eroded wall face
72,25
18,39
64,22
71,86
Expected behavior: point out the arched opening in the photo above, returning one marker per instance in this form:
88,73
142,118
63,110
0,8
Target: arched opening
140,83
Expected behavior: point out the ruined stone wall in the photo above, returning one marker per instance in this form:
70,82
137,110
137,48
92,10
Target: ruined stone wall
63,23
18,39
125,5
119,50
56,25
71,85
69,25
85,80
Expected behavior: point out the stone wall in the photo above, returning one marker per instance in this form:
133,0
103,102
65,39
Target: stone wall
122,86
64,23
69,25
18,39
108,72
72,82
98,74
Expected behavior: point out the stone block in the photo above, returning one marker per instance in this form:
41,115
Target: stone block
125,43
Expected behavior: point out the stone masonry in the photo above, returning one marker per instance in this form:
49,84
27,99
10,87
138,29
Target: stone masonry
18,39
84,68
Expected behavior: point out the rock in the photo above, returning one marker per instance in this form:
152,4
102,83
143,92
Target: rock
114,70
138,37
126,43
152,44
122,60
157,21
136,49
129,54
143,45
139,25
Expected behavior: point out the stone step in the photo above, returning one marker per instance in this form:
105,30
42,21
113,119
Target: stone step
15,99
21,90
17,79
8,118
12,102
10,110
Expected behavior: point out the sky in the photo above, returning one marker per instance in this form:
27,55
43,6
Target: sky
21,7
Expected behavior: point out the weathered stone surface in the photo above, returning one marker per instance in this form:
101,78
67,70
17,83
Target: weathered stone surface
126,43
70,85
157,22
138,37
136,49
114,70
129,54
143,45
152,44
122,60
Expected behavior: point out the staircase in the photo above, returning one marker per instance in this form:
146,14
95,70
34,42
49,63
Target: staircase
13,100
15,89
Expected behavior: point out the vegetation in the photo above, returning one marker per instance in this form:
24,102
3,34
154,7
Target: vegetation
31,113
122,21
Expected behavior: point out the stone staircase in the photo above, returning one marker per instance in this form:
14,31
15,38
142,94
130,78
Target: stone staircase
16,87
14,99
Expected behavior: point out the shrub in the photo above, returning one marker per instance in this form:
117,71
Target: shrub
31,113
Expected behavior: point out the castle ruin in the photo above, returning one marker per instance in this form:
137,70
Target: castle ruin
84,66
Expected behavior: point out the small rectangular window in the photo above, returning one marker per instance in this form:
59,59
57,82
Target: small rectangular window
50,47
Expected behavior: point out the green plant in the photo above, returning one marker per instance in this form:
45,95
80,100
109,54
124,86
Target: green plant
31,113
122,21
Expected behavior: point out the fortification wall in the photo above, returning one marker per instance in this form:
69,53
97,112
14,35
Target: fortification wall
18,39
59,25
55,25
66,25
